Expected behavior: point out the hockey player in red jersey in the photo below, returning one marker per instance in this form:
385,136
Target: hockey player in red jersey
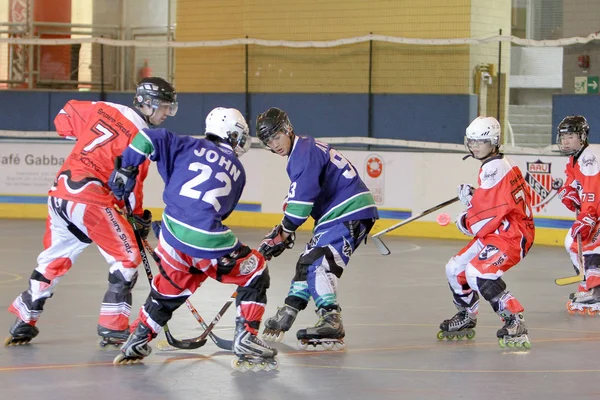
81,208
581,193
499,217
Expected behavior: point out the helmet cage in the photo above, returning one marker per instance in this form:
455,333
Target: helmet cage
271,123
153,93
483,130
572,124
240,140
229,125
494,144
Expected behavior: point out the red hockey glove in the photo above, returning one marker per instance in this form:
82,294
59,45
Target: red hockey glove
570,198
584,225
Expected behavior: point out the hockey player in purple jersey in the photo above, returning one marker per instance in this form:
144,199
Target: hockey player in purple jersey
325,186
204,180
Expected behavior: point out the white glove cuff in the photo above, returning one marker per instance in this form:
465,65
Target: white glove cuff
460,224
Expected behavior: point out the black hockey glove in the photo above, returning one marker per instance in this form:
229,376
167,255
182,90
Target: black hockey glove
142,223
273,244
122,180
225,264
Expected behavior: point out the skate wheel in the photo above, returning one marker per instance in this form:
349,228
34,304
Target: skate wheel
518,345
267,336
109,346
471,335
248,365
501,343
450,337
328,345
237,364
460,336
302,345
260,366
527,345
581,312
120,359
272,365
341,345
440,335
591,312
10,341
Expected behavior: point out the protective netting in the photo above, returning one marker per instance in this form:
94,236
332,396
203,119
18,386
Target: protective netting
358,143
382,64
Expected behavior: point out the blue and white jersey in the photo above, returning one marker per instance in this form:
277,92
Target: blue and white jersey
325,186
203,184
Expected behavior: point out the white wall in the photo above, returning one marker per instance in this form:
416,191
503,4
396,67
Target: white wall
411,181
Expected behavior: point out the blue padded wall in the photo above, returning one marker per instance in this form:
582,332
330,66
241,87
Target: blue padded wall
433,118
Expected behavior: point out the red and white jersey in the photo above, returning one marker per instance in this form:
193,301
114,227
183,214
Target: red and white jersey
501,206
103,131
583,174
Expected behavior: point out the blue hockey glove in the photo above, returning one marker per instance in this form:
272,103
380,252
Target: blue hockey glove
122,180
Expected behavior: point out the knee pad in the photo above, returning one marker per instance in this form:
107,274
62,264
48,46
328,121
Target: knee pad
301,270
456,277
36,276
491,289
256,291
118,284
328,259
465,300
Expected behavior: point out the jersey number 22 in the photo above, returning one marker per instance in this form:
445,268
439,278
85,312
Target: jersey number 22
210,196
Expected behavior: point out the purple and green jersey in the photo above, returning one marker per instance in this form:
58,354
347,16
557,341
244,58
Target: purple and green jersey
325,186
203,184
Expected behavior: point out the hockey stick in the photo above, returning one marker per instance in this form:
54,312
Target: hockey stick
221,343
568,280
383,249
208,328
180,344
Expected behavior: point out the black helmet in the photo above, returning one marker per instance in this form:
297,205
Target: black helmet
572,124
153,92
270,123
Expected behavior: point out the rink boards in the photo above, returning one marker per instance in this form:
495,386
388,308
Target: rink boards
403,183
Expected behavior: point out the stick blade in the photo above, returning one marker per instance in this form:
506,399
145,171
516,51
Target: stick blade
568,280
383,249
222,343
163,345
185,344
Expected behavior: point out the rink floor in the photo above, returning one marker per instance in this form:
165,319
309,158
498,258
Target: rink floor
392,307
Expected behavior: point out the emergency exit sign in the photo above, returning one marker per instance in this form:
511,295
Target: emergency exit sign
586,84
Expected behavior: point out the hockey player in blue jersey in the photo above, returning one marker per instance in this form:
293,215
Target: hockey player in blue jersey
204,180
325,186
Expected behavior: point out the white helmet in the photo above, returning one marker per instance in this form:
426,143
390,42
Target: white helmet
230,125
484,129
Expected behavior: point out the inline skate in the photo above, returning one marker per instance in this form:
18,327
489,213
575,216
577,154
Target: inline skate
328,332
